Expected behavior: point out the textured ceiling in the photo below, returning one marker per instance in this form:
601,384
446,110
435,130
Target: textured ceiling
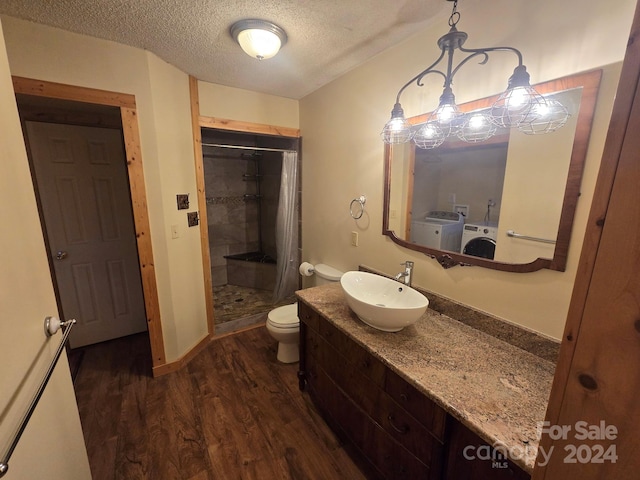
326,37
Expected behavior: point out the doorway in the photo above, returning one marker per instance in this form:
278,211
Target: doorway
243,177
81,182
92,101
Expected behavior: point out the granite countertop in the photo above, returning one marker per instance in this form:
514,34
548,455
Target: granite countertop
497,390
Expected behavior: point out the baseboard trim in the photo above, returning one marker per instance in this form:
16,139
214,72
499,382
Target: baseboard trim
239,330
166,368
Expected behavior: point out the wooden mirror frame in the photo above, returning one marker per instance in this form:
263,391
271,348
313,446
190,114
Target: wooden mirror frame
590,83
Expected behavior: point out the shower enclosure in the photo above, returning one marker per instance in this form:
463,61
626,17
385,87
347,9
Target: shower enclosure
246,201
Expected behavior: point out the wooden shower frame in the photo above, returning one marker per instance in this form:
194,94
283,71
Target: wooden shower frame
197,122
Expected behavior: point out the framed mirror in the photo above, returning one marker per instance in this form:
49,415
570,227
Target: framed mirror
507,203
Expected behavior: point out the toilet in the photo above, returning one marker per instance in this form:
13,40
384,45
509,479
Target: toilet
283,323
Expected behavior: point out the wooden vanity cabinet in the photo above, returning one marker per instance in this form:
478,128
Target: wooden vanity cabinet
349,386
463,445
397,430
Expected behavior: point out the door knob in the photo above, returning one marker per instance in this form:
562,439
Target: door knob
61,255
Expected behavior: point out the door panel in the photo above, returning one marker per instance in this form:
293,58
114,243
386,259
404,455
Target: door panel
84,195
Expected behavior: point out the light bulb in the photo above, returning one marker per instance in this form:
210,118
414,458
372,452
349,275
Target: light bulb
477,121
516,107
517,99
547,117
429,135
397,129
260,44
476,128
258,38
446,113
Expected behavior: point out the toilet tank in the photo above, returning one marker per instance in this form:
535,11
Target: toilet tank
326,274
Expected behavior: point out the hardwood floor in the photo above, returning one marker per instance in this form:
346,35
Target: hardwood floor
233,413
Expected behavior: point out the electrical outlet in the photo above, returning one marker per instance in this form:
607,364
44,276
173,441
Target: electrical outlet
354,239
192,219
463,209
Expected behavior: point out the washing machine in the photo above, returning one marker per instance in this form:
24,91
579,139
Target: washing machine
438,229
479,240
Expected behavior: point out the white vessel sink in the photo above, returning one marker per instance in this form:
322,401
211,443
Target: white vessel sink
382,303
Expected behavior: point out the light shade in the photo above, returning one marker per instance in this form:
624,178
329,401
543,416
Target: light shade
429,135
397,129
258,38
549,117
477,127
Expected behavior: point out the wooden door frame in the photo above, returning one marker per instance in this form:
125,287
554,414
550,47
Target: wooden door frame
197,122
137,189
568,378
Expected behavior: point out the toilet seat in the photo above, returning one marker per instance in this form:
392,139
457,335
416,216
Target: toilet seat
285,317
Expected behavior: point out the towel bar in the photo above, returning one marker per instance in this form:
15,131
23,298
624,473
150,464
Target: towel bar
51,326
513,234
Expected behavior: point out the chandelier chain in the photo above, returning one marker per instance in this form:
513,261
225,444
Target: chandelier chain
455,15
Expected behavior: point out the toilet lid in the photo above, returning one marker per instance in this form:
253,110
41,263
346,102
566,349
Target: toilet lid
285,316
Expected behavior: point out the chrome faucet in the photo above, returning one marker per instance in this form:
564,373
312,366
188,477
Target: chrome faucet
407,276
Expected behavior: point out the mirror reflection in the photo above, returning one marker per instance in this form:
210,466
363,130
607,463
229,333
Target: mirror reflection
504,201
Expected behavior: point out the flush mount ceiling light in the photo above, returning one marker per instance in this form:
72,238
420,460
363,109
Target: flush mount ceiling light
258,38
520,106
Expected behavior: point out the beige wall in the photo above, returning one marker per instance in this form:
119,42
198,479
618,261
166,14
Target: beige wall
52,445
182,276
162,98
246,106
343,153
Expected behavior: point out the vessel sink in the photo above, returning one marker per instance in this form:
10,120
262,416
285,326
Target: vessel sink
382,303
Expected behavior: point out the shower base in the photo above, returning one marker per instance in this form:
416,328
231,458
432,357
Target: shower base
238,307
257,257
252,269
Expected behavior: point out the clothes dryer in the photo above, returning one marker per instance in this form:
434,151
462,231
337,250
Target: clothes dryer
479,240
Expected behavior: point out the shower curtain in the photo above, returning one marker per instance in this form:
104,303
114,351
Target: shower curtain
287,229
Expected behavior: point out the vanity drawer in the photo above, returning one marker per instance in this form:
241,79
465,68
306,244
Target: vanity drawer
377,404
353,352
404,394
416,403
376,445
309,316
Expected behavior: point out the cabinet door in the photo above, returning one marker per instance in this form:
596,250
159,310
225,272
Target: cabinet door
377,404
388,457
470,458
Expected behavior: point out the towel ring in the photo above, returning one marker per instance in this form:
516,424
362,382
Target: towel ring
361,201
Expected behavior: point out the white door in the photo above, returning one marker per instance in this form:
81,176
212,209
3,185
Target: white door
86,206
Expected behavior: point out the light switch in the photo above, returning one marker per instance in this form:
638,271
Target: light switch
174,231
193,219
183,201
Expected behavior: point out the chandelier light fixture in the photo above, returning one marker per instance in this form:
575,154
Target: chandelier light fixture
258,38
520,106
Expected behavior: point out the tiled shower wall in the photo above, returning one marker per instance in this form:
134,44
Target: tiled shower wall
232,218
